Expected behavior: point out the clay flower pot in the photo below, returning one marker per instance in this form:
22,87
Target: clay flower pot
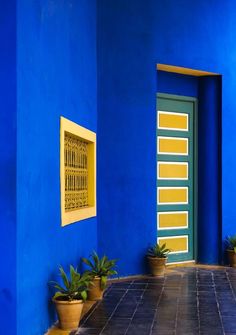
232,258
69,313
157,265
95,292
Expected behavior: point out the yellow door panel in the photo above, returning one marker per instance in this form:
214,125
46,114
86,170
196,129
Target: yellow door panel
172,170
174,121
177,244
172,220
176,195
172,145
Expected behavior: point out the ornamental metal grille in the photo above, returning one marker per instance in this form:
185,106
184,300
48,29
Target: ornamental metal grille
76,172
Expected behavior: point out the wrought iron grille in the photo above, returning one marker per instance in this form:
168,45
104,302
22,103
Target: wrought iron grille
76,172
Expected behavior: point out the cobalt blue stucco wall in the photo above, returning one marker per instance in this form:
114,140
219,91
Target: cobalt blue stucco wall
126,133
132,37
56,76
8,167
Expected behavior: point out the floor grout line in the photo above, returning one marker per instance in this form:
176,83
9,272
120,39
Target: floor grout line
217,302
227,276
155,314
115,308
95,307
136,308
177,307
198,303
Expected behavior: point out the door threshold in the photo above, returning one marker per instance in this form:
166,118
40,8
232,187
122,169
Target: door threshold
183,263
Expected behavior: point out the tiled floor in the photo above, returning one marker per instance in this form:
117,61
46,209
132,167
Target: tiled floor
187,301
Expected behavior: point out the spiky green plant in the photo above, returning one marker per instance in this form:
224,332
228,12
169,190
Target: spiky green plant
231,243
158,250
73,288
100,267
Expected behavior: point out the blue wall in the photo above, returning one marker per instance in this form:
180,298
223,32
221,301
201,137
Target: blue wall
56,76
8,167
126,133
132,37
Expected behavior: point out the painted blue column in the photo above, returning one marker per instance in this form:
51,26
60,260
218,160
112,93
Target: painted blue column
209,170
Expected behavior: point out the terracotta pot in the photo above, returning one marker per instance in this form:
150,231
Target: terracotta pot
157,265
232,258
95,292
69,313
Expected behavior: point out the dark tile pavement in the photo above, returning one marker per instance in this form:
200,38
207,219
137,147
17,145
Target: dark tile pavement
187,301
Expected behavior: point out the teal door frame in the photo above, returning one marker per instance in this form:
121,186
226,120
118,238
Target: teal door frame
194,181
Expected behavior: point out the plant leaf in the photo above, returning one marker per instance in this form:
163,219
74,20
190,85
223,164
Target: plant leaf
83,295
64,277
59,294
88,262
103,282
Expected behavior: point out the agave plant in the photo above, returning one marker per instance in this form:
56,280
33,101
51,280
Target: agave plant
158,250
74,288
100,267
231,243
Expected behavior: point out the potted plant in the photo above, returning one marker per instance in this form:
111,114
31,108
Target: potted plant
70,297
100,269
157,257
231,250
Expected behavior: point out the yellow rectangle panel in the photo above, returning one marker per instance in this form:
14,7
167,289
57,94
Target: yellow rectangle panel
172,195
176,121
177,244
172,220
172,145
172,170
